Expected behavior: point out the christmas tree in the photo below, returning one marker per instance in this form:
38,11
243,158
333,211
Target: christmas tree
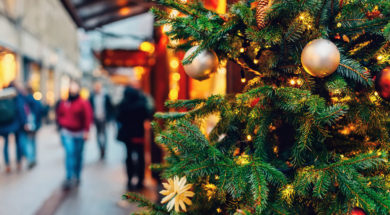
308,134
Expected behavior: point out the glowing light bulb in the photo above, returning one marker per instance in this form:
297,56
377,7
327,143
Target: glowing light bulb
174,63
167,28
37,96
176,76
146,47
292,82
339,24
301,17
242,50
173,94
249,137
255,61
174,13
124,11
243,80
380,57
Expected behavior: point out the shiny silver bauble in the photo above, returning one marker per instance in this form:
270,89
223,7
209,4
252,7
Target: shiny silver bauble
203,65
320,58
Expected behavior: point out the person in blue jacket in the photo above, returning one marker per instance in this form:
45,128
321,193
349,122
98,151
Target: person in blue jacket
12,120
34,116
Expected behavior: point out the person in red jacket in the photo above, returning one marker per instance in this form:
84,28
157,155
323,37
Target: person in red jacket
74,117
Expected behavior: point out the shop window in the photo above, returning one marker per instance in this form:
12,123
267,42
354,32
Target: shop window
8,68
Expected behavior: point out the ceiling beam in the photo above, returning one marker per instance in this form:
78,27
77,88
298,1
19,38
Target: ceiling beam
108,10
72,12
88,3
135,11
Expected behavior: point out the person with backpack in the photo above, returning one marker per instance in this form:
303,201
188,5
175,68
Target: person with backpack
12,120
74,118
33,114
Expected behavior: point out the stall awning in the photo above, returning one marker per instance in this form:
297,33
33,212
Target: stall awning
91,14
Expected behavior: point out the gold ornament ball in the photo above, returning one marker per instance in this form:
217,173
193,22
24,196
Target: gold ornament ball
203,65
320,58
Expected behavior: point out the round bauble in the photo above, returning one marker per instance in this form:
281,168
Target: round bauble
320,58
357,211
382,83
203,65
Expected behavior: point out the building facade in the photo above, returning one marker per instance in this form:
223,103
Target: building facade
38,46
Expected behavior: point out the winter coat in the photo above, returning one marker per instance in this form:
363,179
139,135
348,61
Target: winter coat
74,115
132,112
108,108
36,109
19,119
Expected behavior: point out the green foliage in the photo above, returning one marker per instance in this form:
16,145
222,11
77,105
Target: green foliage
320,148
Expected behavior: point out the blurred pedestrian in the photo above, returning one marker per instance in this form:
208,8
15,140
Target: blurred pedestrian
102,113
34,114
74,116
12,120
132,112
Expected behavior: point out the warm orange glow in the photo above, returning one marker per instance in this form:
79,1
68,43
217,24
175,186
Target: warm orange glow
84,93
166,28
37,96
176,76
173,94
249,137
147,47
174,63
7,69
121,2
138,72
124,11
174,13
50,98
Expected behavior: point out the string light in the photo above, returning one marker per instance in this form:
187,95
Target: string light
167,28
37,96
380,57
173,94
302,17
174,63
339,24
242,50
243,80
276,149
174,13
249,137
147,47
176,76
295,82
255,61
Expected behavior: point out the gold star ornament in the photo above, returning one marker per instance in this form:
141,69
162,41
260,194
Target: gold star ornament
177,194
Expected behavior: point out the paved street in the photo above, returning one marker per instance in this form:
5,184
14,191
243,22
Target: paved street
38,191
